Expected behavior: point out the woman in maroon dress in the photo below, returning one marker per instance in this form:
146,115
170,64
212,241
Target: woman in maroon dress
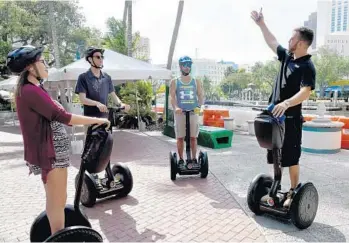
36,113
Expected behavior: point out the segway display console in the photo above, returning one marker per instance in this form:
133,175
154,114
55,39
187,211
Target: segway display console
77,227
118,180
302,211
189,167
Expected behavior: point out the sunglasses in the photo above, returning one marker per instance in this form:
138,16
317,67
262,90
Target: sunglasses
186,64
99,57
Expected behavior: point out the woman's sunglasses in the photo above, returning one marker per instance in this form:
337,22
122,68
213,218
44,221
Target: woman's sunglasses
99,57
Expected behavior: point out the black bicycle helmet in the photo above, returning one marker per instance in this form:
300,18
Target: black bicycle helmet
92,50
89,53
19,59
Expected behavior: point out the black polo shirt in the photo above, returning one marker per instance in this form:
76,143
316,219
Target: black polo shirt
294,74
96,89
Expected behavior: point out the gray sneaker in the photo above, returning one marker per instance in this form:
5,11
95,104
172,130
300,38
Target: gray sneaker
289,198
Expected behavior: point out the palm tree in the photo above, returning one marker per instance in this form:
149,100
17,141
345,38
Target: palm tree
125,13
129,28
175,34
54,34
170,56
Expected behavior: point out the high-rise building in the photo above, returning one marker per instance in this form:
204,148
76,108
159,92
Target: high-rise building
339,15
323,22
311,23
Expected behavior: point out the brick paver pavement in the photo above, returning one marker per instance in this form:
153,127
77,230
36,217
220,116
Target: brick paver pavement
189,209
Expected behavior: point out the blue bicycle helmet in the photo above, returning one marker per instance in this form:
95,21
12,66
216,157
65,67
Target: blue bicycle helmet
19,59
185,61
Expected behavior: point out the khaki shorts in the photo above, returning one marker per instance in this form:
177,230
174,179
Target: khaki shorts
180,129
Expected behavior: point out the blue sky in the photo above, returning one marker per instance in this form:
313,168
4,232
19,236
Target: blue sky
220,29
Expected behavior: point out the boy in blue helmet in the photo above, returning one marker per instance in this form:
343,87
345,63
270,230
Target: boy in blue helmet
186,94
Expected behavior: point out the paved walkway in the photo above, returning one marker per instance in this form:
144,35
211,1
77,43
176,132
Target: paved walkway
189,209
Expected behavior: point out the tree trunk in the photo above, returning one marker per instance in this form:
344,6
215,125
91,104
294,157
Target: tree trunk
129,29
175,34
171,51
54,35
125,13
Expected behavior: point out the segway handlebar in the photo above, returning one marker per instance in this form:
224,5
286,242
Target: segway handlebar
191,110
279,119
116,109
101,126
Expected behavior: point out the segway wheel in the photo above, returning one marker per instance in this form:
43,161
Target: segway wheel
203,159
88,191
76,234
173,165
259,187
40,229
126,178
304,206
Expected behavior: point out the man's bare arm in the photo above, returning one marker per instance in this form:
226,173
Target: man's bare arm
200,92
269,38
86,101
115,98
301,96
173,94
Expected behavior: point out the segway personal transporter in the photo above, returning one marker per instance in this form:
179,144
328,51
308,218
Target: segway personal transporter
96,154
302,211
118,181
189,167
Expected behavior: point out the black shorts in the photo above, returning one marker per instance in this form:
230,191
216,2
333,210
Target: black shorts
291,150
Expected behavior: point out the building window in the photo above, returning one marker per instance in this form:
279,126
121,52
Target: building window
333,17
339,19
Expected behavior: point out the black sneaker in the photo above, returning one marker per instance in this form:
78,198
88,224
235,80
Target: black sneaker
180,162
195,161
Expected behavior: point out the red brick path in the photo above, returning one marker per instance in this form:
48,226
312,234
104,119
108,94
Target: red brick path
189,209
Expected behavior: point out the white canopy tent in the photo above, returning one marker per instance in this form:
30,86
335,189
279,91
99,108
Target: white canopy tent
119,67
9,84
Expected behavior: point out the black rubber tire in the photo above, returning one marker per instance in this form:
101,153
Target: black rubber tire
173,165
259,187
76,234
127,178
40,229
304,206
204,164
88,191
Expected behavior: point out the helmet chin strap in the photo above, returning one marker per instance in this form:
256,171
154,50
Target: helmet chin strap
38,75
184,73
94,65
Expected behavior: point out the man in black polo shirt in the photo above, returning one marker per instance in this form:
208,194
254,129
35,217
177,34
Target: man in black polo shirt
297,79
94,86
